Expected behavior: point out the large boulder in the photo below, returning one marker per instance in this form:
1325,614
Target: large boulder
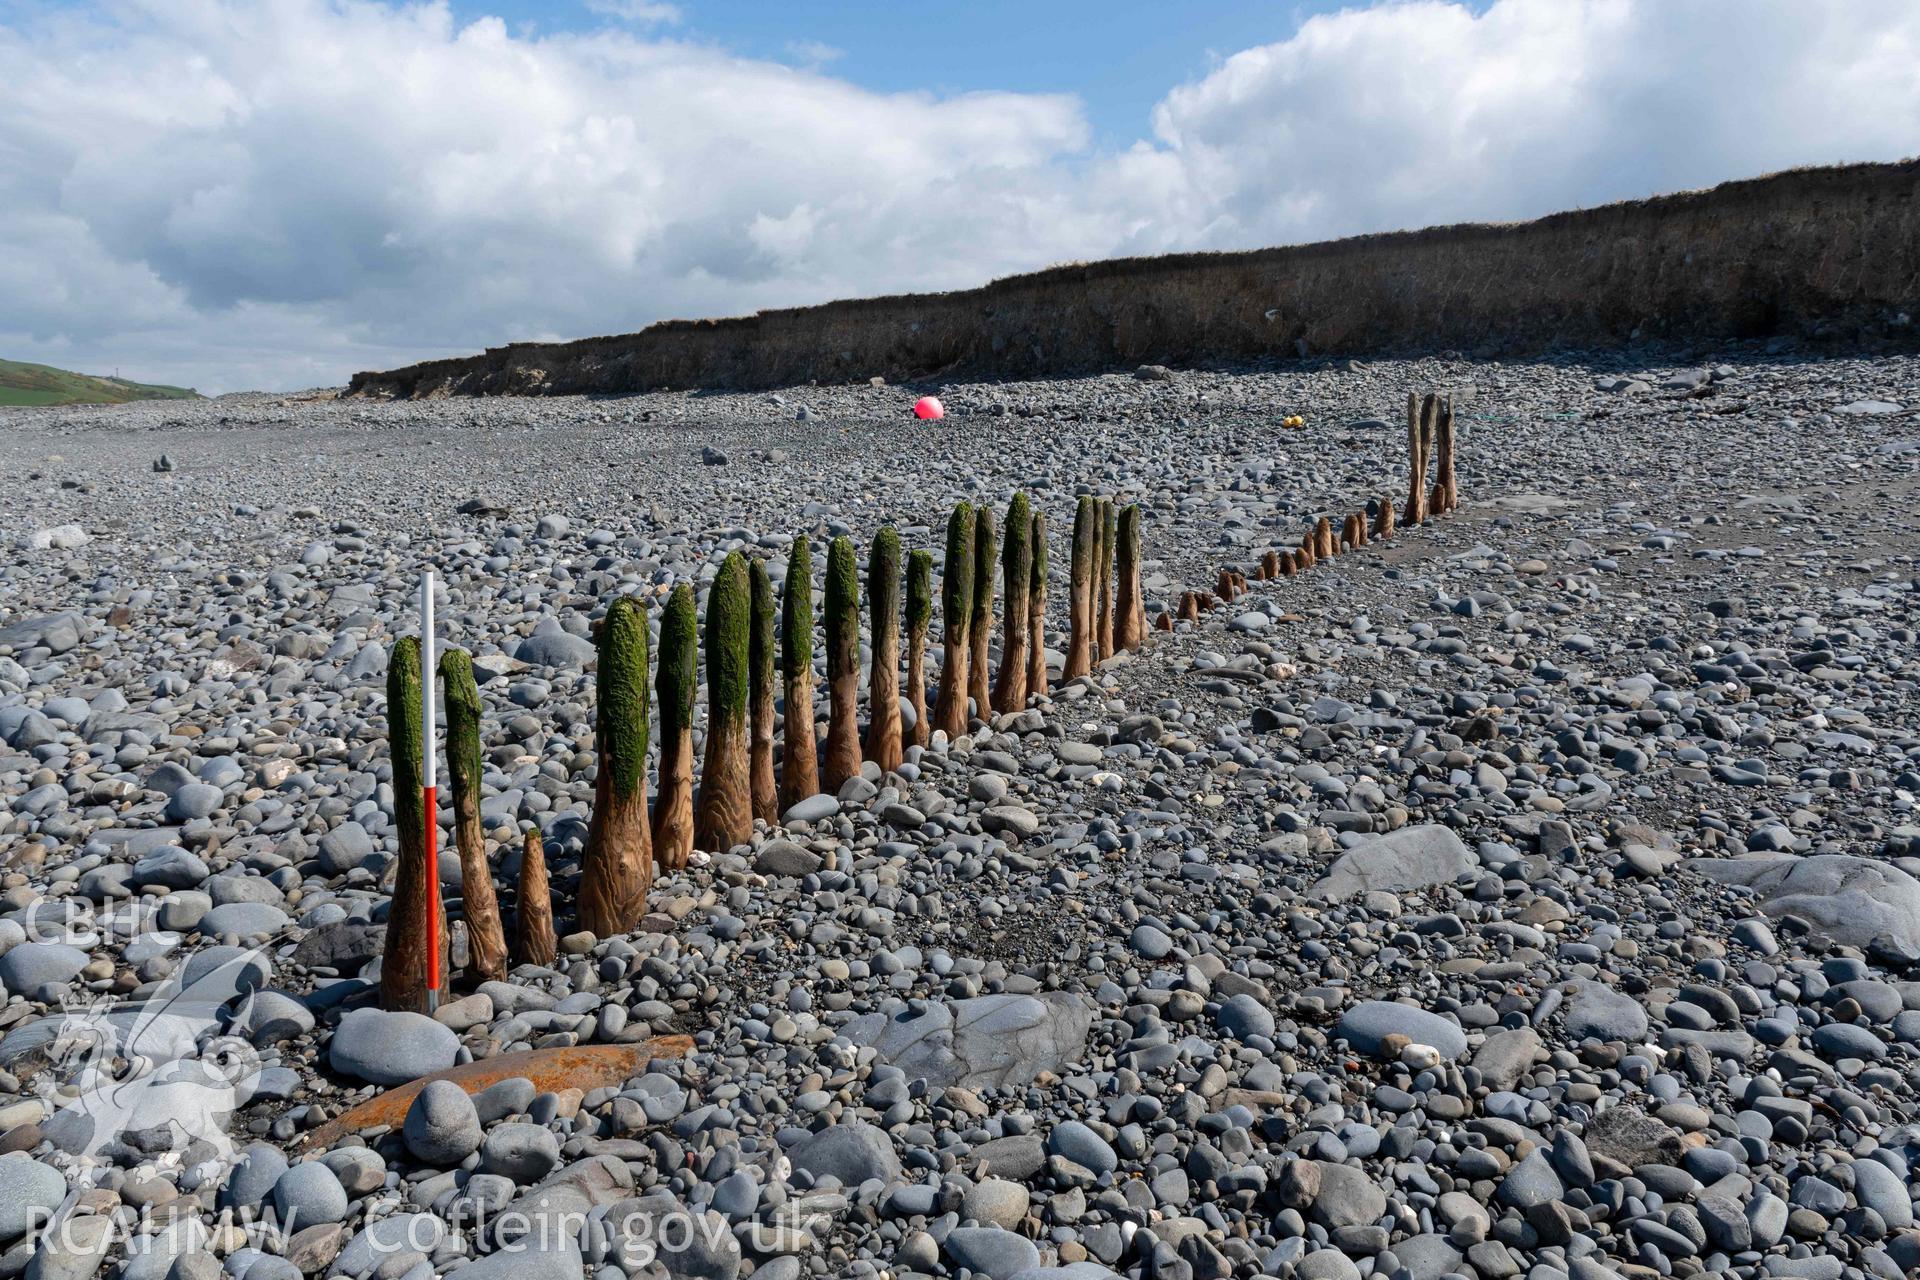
1400,862
1629,1137
992,1252
344,848
56,633
994,1041
29,1193
555,1258
688,1244
1367,1025
555,649
1596,1012
379,1241
1347,1196
853,1153
442,1127
171,868
544,1215
391,1048
1854,901
254,1175
345,946
41,970
1506,1056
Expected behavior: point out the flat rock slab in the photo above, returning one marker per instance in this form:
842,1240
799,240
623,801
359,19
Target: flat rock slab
986,1042
1856,902
581,1067
1408,859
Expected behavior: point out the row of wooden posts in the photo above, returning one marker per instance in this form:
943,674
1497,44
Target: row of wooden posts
744,664
1429,444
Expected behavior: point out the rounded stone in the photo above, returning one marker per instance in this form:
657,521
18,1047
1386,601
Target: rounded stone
812,809
40,970
242,920
391,1048
989,1251
195,800
254,1175
308,1194
1244,1017
1150,942
442,1127
850,1153
1367,1025
171,868
525,1153
1076,1142
29,1193
995,1202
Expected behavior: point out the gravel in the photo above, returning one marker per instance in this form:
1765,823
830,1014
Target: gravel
1529,894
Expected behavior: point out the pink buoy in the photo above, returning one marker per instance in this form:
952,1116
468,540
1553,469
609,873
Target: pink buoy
930,408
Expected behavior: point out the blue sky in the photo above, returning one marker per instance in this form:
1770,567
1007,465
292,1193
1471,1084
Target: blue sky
1119,56
277,193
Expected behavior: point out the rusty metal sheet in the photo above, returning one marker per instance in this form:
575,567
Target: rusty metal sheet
583,1067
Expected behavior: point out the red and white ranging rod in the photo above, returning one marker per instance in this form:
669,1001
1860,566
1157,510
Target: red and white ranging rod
429,799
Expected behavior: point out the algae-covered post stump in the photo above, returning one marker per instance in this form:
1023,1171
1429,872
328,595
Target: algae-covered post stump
725,816
980,625
1080,590
486,937
1016,566
842,757
1130,610
403,970
534,941
956,612
884,746
799,762
761,660
674,686
1037,608
919,617
617,867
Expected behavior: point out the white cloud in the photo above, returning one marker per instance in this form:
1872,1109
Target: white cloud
641,13
1417,114
814,53
280,192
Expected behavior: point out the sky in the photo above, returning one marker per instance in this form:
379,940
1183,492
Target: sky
273,194
1117,56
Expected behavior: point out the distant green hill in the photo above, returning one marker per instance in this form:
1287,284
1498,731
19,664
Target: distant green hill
37,384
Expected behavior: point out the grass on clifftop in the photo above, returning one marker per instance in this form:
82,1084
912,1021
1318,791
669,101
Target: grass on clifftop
42,384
